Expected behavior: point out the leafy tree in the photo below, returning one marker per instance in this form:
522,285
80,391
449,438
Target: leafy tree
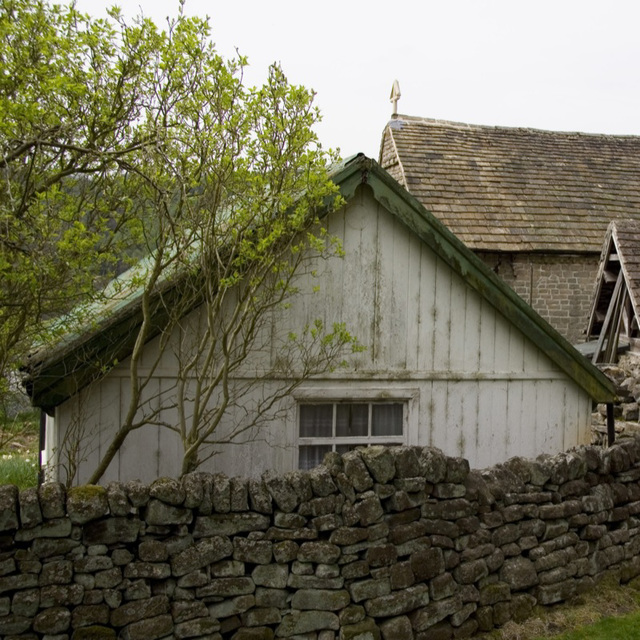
119,135
72,98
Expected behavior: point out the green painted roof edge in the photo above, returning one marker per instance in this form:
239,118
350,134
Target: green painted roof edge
482,279
76,363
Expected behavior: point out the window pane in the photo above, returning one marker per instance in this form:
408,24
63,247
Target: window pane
352,419
311,456
386,420
316,420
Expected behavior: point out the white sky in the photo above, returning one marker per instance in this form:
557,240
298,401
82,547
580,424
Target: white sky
570,65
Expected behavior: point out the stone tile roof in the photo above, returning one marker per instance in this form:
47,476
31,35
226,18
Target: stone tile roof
509,189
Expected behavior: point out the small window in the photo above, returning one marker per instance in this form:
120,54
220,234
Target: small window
344,426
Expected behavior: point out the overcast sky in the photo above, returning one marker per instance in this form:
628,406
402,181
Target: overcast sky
569,65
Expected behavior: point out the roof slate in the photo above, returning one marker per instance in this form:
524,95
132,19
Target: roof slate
511,189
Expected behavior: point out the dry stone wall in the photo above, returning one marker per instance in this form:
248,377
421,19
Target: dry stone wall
626,377
394,544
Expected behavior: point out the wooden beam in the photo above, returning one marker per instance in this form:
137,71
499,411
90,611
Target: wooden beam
614,330
609,276
607,320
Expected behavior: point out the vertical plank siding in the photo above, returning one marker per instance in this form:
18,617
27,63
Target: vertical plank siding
482,389
360,281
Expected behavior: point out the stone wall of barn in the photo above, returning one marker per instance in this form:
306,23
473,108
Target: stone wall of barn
559,287
400,543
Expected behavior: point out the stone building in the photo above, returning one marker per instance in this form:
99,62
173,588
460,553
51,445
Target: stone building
534,205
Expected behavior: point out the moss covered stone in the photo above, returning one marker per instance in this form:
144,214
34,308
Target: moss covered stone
52,496
365,630
8,507
94,632
87,502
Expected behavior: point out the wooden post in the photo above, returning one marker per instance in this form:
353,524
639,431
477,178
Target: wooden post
611,425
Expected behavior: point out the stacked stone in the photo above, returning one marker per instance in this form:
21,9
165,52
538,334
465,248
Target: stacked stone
626,376
399,543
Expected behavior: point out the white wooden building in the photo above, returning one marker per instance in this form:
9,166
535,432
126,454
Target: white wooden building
454,358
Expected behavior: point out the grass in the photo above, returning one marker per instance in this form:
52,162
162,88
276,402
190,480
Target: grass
626,628
19,469
19,450
609,612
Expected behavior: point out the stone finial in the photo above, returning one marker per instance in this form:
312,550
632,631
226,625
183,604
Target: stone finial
395,96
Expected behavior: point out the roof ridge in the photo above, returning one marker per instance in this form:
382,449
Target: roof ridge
471,126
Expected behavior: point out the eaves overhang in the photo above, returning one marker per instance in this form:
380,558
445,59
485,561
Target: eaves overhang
59,373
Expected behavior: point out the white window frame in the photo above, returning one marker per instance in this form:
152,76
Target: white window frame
408,397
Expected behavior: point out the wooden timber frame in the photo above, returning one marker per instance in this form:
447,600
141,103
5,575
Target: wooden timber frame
614,312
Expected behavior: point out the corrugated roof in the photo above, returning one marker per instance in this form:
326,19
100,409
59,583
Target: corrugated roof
511,189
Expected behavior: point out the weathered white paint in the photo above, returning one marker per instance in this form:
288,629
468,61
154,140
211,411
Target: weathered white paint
474,385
